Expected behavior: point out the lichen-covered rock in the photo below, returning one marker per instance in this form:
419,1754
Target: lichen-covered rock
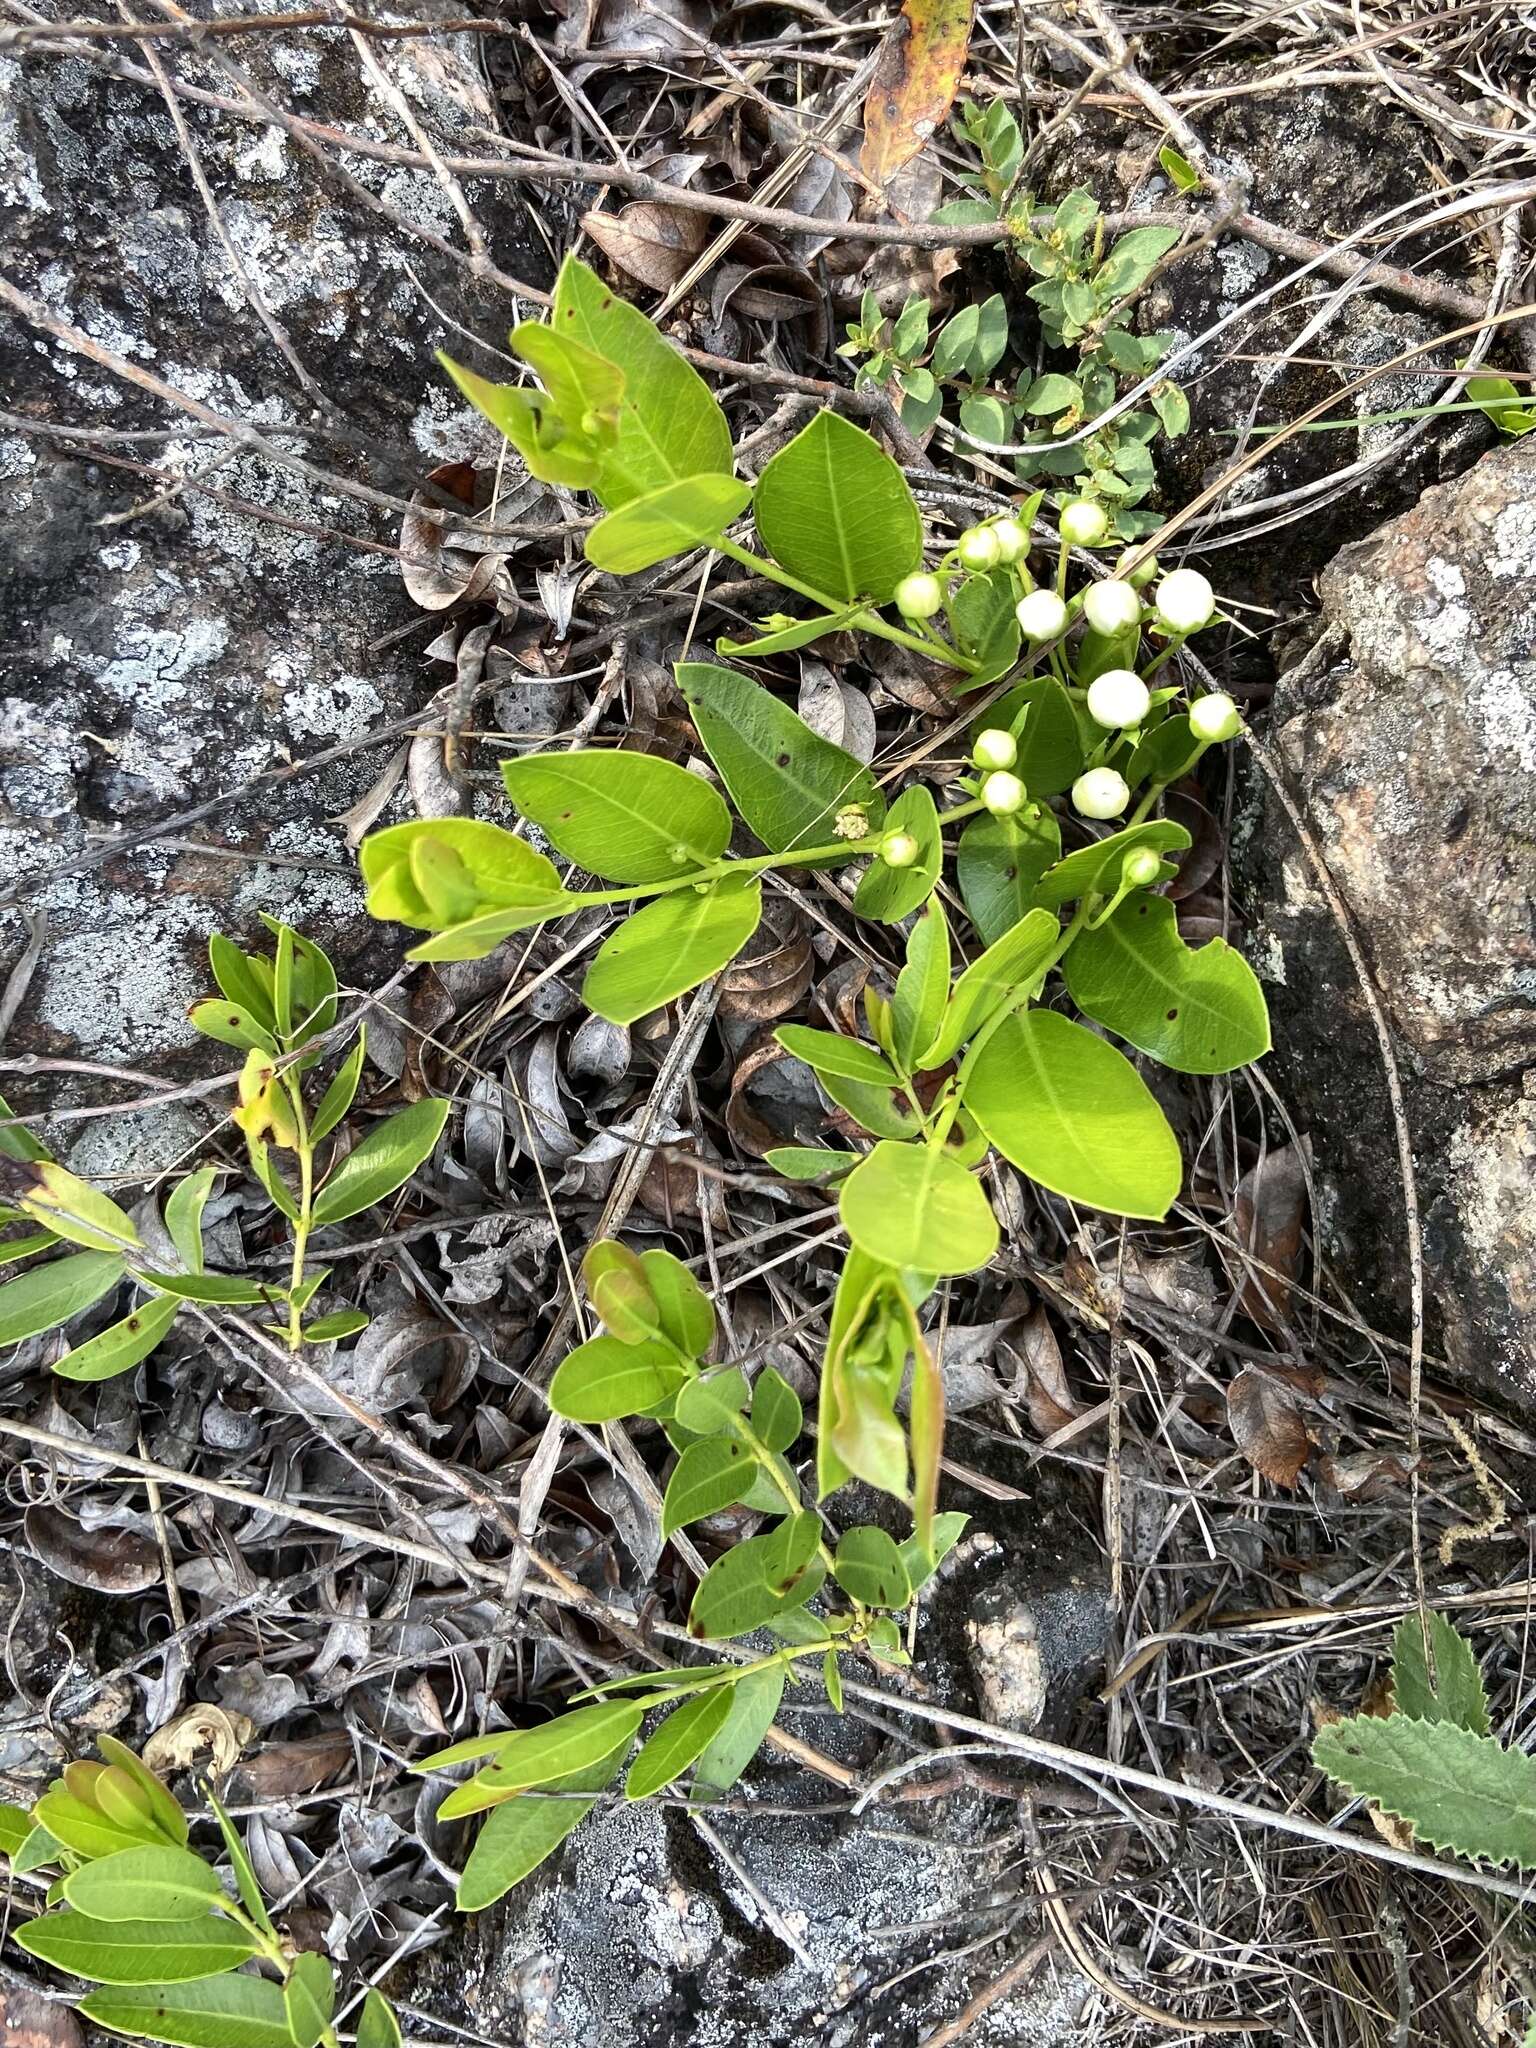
1409,730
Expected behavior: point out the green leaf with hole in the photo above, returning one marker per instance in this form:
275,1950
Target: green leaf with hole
889,894
998,863
671,946
225,2012
1453,1691
1011,964
869,1568
521,1833
136,1951
1073,1113
1095,869
754,1703
777,1417
835,511
145,1884
666,522
1458,1791
1199,1011
913,1205
708,1478
606,1379
679,1741
757,1579
790,785
833,1052
384,1161
627,817
122,1345
51,1294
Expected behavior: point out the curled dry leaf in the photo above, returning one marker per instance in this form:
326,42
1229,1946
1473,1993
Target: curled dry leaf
1268,1426
1048,1399
202,1732
772,972
917,73
436,571
1365,1475
1269,1211
112,1561
651,241
837,711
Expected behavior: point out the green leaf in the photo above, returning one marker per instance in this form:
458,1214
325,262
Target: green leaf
313,981
443,872
342,1092
669,426
1458,1791
985,624
1039,713
1095,869
16,1140
756,1580
1052,393
73,1209
709,1476
244,979
809,1162
122,1345
81,1828
332,1328
51,1294
620,1292
998,863
1076,213
585,387
1011,963
539,1756
889,894
790,785
985,419
136,1951
832,1679
913,1205
833,1052
1074,1114
1455,1692
965,213
922,987
627,817
15,1826
168,1816
145,1883
956,339
880,1111
1131,261
478,936
671,946
687,1318
1197,1011
1180,170
921,1562
1171,407
41,1848
377,2026
384,1161
869,1568
309,1997
605,1378
553,451
713,1403
225,2012
265,1169
835,511
681,1739
1164,752
230,1025
777,1417
184,1215
785,638
666,522
522,1832
754,1703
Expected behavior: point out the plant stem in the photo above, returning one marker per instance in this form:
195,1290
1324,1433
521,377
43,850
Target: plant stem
274,1953
302,1226
867,621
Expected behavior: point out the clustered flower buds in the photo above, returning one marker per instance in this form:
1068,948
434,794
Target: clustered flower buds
1137,574
1110,607
852,822
1083,523
919,596
1012,540
978,548
1101,793
1041,615
1002,793
1214,718
1118,698
1185,601
995,748
899,849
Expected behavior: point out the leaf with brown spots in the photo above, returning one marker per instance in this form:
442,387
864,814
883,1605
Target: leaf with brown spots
916,77
1268,1427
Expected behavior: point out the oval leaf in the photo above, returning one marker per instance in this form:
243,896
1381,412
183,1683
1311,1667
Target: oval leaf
756,1580
999,861
145,1884
226,2012
384,1161
574,1742
869,1568
136,1951
121,1346
666,522
606,1378
438,872
1200,1012
681,1738
671,946
626,817
709,1476
754,1703
834,510
888,894
522,1832
913,1205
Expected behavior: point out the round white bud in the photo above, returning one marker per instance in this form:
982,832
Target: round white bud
1083,523
1110,607
1041,615
1214,718
1139,575
1101,793
1012,540
919,596
995,748
1118,698
899,849
1185,601
978,548
1141,867
1002,793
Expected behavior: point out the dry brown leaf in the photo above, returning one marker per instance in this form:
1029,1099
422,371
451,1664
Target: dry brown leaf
1365,1475
203,1730
769,976
1269,1212
653,242
283,1770
1049,1401
29,2020
111,1561
1268,1426
917,73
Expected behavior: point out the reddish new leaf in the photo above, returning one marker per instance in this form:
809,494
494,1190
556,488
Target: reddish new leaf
916,77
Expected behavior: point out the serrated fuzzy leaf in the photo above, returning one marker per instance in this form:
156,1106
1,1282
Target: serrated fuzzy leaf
1458,1791
1455,1693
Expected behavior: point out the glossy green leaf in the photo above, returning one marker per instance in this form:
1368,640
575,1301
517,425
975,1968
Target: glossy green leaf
1095,869
1183,174
41,1849
16,1140
680,1740
998,863
1200,1011
234,2011
585,387
441,872
136,1951
230,1025
341,1094
923,1560
982,612
833,1052
888,894
777,1417
122,1345
264,1166
754,1703
145,1883
1074,1114
616,1283
309,1997
15,1826
335,1327
834,510
880,1111
384,1161
783,638
574,1741
1011,964
51,1294
1039,713
666,522
73,1209
478,936
922,987
671,946
708,1477
184,1215
914,1205
218,1289
756,1580
82,1828
627,817
712,1403
687,1318
14,1249
521,1833
553,450
1453,1691
809,1162
605,1379
377,2026
670,426
158,1799
869,1568
244,979
789,784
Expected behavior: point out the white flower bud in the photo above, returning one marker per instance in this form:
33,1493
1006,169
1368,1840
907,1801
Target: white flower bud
1101,793
1141,867
995,748
1118,698
1185,601
1002,793
1083,523
919,596
978,548
1139,576
1110,607
1012,540
1041,615
899,849
1214,718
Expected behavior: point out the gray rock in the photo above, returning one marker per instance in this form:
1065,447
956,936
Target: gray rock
1409,730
